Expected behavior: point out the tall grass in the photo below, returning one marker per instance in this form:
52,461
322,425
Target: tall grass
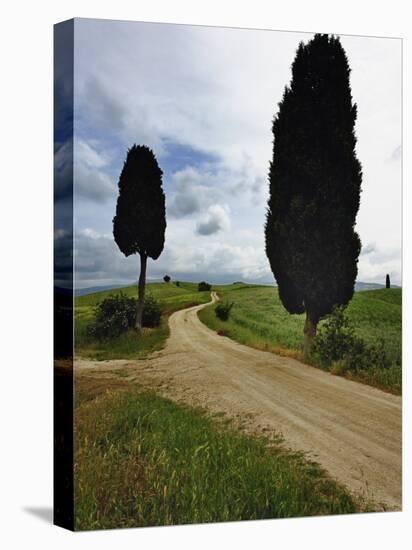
144,460
258,319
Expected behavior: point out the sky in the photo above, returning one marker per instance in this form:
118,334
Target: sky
203,98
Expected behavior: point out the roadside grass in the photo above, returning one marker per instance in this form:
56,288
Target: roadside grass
143,460
259,320
131,345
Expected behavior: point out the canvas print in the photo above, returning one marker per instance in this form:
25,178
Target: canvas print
228,278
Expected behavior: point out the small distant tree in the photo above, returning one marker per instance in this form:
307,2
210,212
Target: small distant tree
222,310
315,180
177,283
140,221
167,279
388,281
202,286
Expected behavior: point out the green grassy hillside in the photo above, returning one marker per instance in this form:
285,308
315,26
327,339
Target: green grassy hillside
258,319
130,345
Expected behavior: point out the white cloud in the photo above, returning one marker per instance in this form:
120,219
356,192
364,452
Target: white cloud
368,249
90,179
99,261
216,90
216,219
190,192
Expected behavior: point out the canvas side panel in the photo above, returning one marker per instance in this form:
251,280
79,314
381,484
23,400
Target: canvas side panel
63,275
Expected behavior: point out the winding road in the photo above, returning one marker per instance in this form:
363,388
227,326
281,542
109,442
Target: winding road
352,430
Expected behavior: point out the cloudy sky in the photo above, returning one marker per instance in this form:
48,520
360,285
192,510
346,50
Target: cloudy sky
203,99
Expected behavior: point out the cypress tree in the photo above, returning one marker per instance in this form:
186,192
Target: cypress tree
388,281
140,221
314,186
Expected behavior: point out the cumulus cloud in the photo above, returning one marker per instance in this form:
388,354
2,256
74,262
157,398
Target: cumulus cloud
368,249
63,171
249,178
99,261
91,182
217,219
194,189
191,190
180,87
377,262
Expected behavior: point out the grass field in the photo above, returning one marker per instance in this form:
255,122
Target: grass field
130,345
144,460
258,319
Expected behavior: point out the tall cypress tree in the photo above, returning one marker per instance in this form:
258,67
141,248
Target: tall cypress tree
140,221
315,183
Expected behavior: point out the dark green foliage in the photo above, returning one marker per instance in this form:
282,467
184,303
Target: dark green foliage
151,312
116,314
140,221
336,342
204,286
177,283
363,356
388,281
139,224
222,310
335,338
167,279
113,316
315,181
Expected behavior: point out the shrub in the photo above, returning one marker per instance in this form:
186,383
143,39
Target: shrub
151,312
113,316
167,279
177,283
337,347
116,314
335,338
222,310
204,286
363,356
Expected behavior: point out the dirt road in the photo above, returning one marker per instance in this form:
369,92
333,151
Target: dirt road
353,430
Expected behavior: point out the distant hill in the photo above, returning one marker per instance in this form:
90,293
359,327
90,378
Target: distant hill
93,289
360,287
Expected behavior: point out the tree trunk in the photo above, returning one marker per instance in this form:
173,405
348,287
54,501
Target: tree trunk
309,332
141,289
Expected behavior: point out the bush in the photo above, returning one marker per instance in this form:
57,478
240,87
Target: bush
362,356
335,338
222,310
151,312
177,283
116,314
337,347
167,279
113,316
204,286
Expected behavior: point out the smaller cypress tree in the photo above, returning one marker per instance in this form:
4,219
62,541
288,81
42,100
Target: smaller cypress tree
388,281
140,221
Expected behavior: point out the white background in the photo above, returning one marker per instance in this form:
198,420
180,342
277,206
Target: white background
26,274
